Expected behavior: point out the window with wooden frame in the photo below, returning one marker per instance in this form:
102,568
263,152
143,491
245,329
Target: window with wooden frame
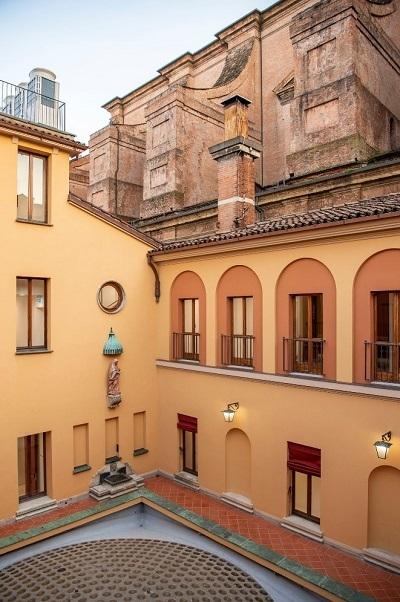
304,463
238,346
306,346
31,466
31,187
31,302
386,343
186,344
187,426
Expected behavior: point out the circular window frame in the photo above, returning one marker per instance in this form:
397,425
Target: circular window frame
121,296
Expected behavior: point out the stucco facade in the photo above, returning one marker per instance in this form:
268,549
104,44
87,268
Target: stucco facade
281,297
53,389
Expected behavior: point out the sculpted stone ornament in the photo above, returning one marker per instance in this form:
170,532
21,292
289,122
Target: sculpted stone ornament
113,386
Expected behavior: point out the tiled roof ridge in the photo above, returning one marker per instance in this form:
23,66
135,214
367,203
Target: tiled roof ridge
389,203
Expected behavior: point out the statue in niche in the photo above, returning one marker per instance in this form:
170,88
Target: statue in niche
113,386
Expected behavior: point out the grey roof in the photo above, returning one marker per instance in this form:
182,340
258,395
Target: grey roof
329,215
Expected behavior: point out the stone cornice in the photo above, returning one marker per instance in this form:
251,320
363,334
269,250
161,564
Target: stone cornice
342,180
391,394
237,145
30,132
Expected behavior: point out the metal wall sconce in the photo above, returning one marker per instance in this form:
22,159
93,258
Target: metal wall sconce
230,411
382,447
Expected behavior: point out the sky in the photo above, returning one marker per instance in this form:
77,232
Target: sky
104,48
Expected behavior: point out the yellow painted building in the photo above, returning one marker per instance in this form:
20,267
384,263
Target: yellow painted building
293,324
54,411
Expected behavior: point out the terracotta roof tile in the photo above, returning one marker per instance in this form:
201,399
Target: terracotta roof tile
329,215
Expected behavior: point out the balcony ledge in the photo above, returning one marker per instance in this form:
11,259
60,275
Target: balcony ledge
297,381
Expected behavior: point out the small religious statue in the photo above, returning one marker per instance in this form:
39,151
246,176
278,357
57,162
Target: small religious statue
113,386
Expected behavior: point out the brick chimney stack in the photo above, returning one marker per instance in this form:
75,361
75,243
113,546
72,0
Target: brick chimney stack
235,157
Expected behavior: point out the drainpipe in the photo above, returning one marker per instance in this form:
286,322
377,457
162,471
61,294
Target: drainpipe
157,286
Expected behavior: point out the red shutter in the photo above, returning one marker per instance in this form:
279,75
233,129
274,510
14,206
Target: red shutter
304,459
187,423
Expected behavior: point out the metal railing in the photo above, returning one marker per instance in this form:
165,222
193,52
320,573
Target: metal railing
186,346
303,355
24,103
237,350
381,361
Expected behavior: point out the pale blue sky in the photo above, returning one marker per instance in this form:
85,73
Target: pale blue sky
103,48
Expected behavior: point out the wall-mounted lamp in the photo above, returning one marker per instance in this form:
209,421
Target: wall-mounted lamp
230,411
382,447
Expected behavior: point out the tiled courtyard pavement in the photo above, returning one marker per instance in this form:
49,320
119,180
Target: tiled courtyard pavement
357,574
318,559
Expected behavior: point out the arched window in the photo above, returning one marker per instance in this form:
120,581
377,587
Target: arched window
188,318
377,319
306,319
239,319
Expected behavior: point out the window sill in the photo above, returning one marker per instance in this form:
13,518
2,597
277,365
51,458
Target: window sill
31,221
188,479
196,362
235,367
303,526
306,375
32,351
112,459
81,468
386,385
140,452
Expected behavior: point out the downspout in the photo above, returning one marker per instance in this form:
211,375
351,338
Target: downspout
157,287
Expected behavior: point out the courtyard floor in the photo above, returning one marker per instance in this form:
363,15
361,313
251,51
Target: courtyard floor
335,574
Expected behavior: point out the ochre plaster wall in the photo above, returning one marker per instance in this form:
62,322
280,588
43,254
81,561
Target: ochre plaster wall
343,425
52,392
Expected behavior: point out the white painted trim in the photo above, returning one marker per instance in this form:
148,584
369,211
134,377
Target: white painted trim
313,383
236,199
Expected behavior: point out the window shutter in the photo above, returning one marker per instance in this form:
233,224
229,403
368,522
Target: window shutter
304,459
187,423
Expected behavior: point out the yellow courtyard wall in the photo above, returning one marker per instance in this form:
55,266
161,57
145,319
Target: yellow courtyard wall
52,392
343,425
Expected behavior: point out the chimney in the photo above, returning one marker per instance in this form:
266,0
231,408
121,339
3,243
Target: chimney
235,157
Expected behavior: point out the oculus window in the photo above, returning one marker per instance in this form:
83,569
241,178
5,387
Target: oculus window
111,297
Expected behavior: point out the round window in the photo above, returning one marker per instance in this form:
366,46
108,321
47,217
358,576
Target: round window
111,297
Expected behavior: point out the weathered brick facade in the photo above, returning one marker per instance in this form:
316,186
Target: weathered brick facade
323,79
